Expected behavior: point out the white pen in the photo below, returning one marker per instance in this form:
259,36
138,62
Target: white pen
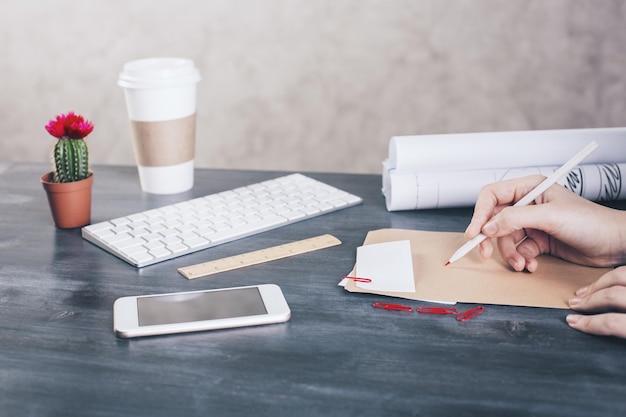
531,196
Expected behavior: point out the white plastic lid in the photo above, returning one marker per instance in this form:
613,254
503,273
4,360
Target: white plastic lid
158,72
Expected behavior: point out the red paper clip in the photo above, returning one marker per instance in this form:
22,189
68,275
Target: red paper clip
470,314
387,306
357,279
437,310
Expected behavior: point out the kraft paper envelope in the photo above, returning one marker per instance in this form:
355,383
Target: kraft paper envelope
472,279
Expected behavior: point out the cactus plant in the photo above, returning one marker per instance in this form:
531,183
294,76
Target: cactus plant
70,155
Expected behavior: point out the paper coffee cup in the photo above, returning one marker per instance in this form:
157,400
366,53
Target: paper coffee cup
161,103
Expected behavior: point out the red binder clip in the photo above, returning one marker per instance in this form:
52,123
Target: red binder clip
357,279
470,314
437,310
396,307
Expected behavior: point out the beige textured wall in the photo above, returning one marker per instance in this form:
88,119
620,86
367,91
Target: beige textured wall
314,85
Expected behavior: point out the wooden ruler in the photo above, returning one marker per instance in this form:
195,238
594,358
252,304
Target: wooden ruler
259,256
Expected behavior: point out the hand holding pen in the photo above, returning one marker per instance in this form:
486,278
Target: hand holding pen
498,197
559,223
565,225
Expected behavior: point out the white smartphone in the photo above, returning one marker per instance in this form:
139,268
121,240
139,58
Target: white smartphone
148,315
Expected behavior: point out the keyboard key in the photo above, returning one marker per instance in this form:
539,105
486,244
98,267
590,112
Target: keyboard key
127,243
118,238
160,252
142,258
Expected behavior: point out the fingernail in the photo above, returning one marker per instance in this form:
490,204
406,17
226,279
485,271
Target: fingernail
575,301
516,264
582,291
573,318
490,227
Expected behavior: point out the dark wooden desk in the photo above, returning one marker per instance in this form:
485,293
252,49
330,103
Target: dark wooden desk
337,356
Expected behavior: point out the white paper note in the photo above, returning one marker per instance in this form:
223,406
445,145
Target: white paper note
389,265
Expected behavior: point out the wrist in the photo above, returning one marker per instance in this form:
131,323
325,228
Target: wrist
620,226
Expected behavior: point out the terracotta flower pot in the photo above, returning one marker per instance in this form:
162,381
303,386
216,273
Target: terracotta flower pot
70,202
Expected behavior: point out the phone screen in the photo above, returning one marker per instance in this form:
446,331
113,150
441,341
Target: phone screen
200,306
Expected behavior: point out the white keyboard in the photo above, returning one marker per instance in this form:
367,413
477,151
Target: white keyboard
164,233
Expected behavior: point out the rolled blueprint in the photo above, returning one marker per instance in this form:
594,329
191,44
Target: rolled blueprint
472,151
429,190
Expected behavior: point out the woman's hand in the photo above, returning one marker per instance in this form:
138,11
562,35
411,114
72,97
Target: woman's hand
559,222
562,224
606,298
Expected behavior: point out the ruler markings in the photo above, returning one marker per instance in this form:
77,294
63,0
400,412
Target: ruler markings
259,256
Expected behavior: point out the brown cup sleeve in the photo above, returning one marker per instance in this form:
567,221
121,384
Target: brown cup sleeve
164,143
